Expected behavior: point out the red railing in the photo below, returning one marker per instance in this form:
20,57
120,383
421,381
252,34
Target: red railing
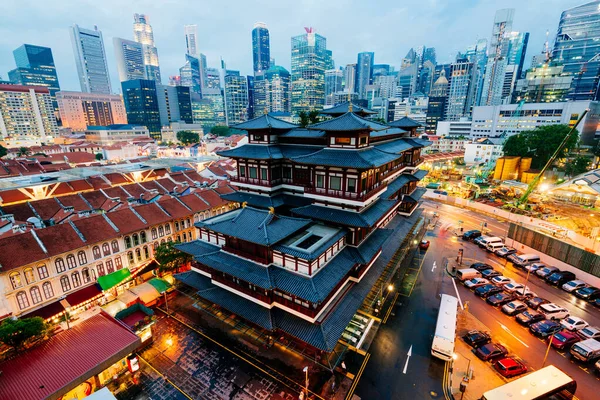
256,181
340,194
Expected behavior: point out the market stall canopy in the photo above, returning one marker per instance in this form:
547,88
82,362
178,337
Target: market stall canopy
111,280
146,292
128,298
160,284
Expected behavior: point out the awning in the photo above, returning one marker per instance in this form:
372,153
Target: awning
83,295
160,284
146,292
48,311
108,281
128,297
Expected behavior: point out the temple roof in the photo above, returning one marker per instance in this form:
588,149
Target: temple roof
365,219
414,196
398,183
342,109
405,122
350,158
264,201
314,254
267,152
348,122
254,225
303,133
265,121
399,145
388,132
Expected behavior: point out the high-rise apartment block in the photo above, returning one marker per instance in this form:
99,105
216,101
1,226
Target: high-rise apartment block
80,110
142,33
26,115
261,47
308,71
90,59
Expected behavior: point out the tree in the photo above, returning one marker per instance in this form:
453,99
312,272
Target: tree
23,151
220,130
188,137
99,156
304,119
15,332
313,116
540,144
577,166
3,151
169,258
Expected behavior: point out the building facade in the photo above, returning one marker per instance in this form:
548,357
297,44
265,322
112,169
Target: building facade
174,104
364,72
80,110
141,104
90,59
460,90
496,61
236,97
130,59
436,106
111,134
143,34
308,71
333,84
191,40
261,47
544,83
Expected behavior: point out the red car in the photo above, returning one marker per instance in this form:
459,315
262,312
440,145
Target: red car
565,339
424,245
510,366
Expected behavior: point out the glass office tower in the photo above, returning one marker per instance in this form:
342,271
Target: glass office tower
141,105
261,48
90,59
308,71
142,33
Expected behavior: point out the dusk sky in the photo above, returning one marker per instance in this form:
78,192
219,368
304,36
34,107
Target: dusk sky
389,28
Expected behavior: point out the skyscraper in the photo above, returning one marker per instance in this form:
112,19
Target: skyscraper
350,78
458,103
364,72
577,46
250,84
90,59
130,59
236,97
191,75
278,82
308,71
191,39
35,67
142,33
261,47
477,54
141,104
436,106
174,104
493,83
333,84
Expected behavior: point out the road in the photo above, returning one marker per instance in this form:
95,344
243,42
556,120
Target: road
412,324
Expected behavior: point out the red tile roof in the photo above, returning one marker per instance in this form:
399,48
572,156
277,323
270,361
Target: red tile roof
12,196
19,250
126,220
80,185
67,359
46,208
174,208
95,229
58,239
196,203
116,179
225,189
212,197
21,211
215,169
154,185
135,190
152,214
75,201
96,198
117,192
98,182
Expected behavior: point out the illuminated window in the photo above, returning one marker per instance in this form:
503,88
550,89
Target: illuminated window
42,271
65,284
115,246
15,280
81,257
29,275
105,249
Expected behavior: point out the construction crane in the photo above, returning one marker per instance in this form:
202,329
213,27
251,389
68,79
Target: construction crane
562,145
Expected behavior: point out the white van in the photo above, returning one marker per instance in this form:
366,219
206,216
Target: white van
552,311
467,274
490,239
492,247
525,259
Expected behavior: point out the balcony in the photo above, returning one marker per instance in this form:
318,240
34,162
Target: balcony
340,194
416,162
256,181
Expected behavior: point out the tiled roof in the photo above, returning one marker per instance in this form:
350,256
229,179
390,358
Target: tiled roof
348,122
174,208
126,221
95,229
414,196
397,184
296,252
265,121
211,197
152,214
420,174
197,248
396,146
257,151
303,133
59,239
342,109
254,225
259,201
364,159
235,266
405,122
364,219
67,359
25,246
20,211
365,252
388,132
195,203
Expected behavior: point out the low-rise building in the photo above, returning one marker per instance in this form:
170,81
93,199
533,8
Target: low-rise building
482,150
454,128
111,134
169,132
79,110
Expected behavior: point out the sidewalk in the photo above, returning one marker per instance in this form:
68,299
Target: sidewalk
484,376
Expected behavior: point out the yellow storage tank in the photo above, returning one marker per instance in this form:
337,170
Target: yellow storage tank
510,170
498,169
528,176
524,165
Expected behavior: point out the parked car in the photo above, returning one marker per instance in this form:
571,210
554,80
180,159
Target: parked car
477,339
510,366
513,287
490,351
479,240
596,302
535,302
587,293
554,312
546,271
586,350
479,266
560,277
564,339
500,299
522,260
534,267
590,332
490,273
572,286
471,235
487,290
529,317
476,282
501,280
545,328
467,274
505,251
514,307
424,245
573,323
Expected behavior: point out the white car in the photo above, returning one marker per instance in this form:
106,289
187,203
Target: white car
534,267
573,324
513,287
514,307
572,286
501,280
590,332
476,282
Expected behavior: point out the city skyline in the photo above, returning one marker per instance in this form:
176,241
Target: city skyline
423,23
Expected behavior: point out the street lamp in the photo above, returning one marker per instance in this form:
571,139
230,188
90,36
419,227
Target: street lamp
305,370
547,350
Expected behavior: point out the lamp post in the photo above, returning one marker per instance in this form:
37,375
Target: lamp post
547,350
166,303
305,370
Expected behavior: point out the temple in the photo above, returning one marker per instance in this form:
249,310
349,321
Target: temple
296,259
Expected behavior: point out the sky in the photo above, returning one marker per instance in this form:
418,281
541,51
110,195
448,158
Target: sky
387,27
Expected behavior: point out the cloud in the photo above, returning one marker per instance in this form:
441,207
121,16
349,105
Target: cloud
387,27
